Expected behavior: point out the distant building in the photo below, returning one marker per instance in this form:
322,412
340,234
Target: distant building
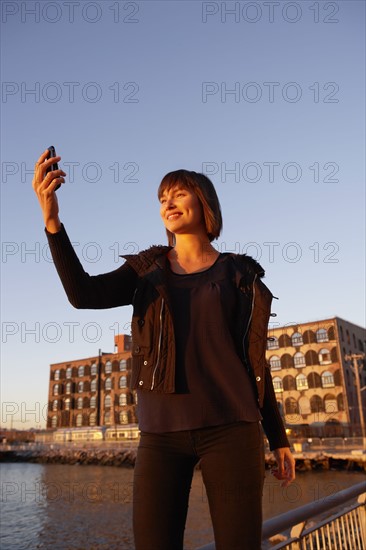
93,391
314,384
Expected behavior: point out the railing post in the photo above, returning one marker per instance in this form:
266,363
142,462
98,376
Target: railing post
362,513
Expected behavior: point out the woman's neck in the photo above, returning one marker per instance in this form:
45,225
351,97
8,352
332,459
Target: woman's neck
193,249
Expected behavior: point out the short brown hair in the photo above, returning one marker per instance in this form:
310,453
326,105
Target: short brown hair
205,191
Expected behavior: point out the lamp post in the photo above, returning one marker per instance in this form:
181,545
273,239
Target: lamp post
355,357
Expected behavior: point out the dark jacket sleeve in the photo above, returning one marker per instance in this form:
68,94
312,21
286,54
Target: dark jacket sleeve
272,421
85,291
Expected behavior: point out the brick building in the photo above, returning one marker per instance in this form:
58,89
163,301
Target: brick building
314,384
93,391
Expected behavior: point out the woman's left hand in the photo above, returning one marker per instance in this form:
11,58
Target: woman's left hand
285,465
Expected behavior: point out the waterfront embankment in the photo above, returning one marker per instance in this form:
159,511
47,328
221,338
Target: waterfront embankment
125,457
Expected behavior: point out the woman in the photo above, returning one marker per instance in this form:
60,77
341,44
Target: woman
199,333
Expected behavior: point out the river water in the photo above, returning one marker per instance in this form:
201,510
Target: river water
90,507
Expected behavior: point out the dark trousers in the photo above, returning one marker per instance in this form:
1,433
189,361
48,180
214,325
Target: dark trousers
232,464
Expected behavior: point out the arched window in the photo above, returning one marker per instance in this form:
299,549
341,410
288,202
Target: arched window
309,337
93,369
304,405
277,384
123,417
56,374
296,339
56,388
81,371
108,383
123,382
322,335
275,362
55,405
80,387
291,406
123,364
107,402
108,367
327,379
316,404
107,417
314,380
311,357
324,357
93,385
287,361
69,372
122,399
79,420
272,342
299,360
67,403
301,382
289,383
340,402
68,387
284,341
93,402
54,422
92,419
79,403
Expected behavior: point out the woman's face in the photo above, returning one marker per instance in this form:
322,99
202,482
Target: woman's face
181,211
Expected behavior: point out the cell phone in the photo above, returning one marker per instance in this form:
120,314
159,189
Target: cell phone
51,154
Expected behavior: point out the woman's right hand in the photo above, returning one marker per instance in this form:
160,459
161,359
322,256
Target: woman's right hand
44,186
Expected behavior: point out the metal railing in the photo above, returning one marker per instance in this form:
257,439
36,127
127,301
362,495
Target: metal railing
343,530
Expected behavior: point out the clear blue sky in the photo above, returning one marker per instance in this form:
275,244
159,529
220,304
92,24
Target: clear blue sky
268,100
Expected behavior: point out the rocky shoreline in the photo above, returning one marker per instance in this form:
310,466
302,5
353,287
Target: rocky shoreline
126,458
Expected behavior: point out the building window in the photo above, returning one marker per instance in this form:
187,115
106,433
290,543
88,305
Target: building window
122,399
122,364
275,362
108,367
69,372
107,417
107,402
67,404
93,385
291,406
80,387
324,357
81,371
55,405
277,384
92,419
123,417
79,420
327,379
93,402
322,335
299,360
93,369
296,339
316,404
301,382
56,375
123,382
79,403
289,383
108,384
56,388
68,387
272,343
54,422
135,397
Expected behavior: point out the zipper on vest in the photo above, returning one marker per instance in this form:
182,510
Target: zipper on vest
159,344
249,320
